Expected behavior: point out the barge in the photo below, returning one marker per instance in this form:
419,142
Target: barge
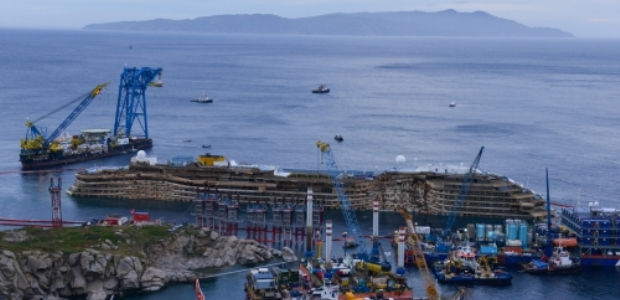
424,191
597,232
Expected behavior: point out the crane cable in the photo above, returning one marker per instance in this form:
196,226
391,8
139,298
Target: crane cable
96,91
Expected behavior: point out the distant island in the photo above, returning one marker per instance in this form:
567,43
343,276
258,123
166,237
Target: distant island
413,23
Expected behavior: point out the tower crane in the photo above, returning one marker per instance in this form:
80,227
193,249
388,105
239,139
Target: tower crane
345,205
460,199
414,241
36,142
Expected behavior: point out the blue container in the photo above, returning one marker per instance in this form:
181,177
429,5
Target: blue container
523,235
489,250
604,242
605,224
513,232
480,231
604,233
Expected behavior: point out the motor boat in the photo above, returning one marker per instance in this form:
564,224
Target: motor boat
338,138
320,90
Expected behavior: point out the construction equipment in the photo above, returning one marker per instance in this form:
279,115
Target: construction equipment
345,205
131,104
36,142
414,241
460,199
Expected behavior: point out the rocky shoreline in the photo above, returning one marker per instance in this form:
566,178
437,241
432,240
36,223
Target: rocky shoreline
101,270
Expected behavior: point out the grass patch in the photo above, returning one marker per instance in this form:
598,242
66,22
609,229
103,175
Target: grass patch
75,239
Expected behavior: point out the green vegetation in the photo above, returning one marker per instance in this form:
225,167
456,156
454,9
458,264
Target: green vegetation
126,240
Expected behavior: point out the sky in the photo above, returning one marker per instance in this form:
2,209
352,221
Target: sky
583,18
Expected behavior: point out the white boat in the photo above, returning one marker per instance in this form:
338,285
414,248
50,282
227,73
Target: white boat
203,99
452,104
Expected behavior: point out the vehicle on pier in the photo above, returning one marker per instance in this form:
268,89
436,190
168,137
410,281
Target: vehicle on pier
262,285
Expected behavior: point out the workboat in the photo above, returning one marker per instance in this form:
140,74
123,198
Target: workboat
462,268
338,138
597,232
321,90
202,99
559,263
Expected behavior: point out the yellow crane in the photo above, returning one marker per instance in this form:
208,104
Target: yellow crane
414,241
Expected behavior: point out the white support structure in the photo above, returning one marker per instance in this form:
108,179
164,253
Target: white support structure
401,247
375,217
309,211
328,240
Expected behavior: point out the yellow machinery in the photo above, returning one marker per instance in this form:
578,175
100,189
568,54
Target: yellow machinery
414,241
212,160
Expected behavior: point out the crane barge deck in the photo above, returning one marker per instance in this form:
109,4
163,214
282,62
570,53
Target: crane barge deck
40,151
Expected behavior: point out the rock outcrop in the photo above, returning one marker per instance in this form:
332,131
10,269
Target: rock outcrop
98,273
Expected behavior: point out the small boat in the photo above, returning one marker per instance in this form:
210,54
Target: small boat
206,146
320,90
187,140
559,263
202,99
338,138
452,104
156,83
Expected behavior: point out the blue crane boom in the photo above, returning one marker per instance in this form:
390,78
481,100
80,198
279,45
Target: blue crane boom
345,205
34,132
460,199
131,104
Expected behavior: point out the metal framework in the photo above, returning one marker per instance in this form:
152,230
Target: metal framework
345,204
131,104
56,204
460,199
414,241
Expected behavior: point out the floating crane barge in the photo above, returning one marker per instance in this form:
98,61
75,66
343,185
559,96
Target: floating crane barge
40,151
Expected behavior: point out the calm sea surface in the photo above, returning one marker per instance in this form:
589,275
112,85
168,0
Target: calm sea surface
532,103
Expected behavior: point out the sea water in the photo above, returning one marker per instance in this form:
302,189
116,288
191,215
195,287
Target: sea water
532,103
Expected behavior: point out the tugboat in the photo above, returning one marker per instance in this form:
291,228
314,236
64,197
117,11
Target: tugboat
202,99
462,268
559,263
338,138
321,90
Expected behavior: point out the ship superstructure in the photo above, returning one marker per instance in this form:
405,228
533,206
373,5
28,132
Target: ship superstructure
423,192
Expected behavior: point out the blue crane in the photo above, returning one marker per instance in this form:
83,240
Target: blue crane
131,104
35,139
460,199
345,205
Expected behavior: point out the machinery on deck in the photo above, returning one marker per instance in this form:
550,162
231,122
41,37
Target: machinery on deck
40,151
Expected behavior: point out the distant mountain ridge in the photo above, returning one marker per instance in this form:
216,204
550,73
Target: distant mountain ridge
412,23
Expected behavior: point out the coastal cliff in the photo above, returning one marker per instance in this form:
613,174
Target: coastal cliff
95,262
